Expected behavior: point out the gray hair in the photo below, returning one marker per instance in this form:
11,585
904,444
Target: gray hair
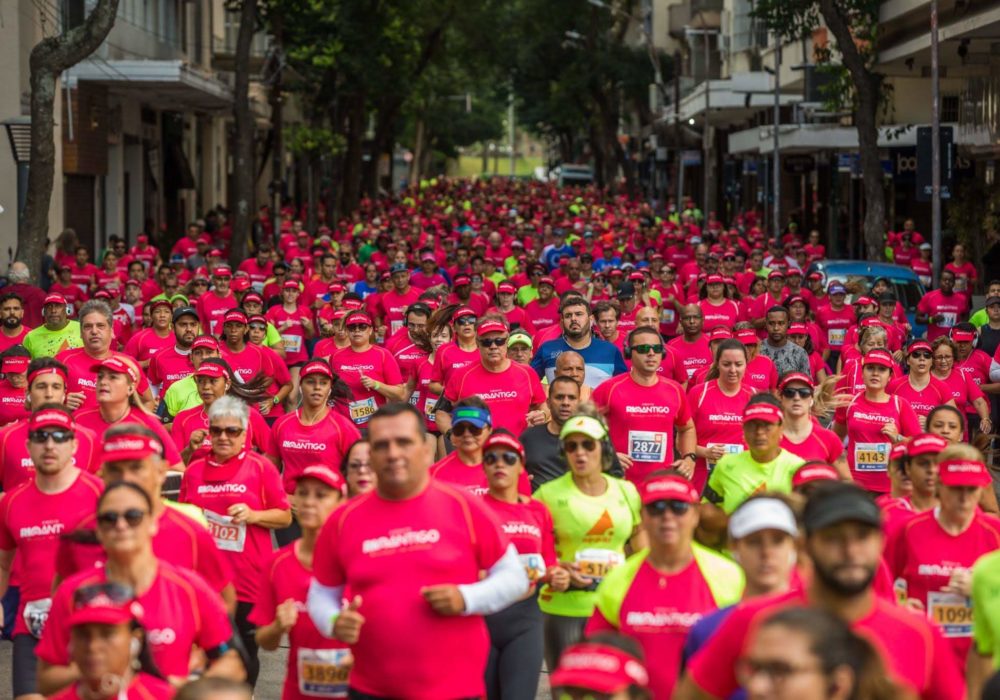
230,407
19,274
96,306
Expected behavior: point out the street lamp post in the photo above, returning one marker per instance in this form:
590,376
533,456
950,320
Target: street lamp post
935,147
19,134
706,139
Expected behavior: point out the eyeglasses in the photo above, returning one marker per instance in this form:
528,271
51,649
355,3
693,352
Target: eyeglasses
40,437
647,348
257,327
944,358
463,428
509,458
777,672
109,518
921,355
571,446
230,431
661,507
492,342
790,392
355,327
465,321
200,283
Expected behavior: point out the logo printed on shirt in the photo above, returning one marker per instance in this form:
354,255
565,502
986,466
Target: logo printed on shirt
303,445
603,529
636,618
874,417
358,368
222,488
47,529
162,636
938,569
497,395
647,410
726,417
401,539
522,529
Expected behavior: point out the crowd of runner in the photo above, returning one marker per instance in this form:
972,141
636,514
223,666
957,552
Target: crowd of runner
485,429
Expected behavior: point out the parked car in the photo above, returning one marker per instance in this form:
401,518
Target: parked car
905,282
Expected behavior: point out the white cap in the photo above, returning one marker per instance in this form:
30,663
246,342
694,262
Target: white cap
762,514
925,246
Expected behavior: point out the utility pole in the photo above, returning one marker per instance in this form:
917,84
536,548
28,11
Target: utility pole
935,147
706,138
511,131
776,209
277,127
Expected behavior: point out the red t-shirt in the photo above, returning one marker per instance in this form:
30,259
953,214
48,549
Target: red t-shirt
542,316
142,687
84,379
168,366
12,403
30,523
962,389
528,524
146,343
393,306
689,357
258,274
7,342
658,611
422,398
934,394
253,481
976,366
470,477
642,420
914,652
84,276
285,578
953,307
510,393
449,359
439,536
196,418
16,466
179,612
921,553
294,336
821,444
376,363
725,314
211,308
761,374
718,420
834,324
91,419
300,446
867,447
408,355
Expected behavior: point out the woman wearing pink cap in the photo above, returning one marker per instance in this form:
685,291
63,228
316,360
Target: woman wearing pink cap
761,374
934,551
716,307
317,666
800,334
453,357
14,386
917,463
607,665
966,393
294,323
369,370
802,435
922,389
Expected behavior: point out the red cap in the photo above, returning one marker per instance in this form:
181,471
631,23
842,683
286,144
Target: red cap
796,299
118,365
668,488
962,336
715,279
335,288
126,446
132,283
240,284
324,474
637,277
102,610
205,341
505,440
256,318
462,280
15,364
815,277
155,303
210,369
215,253
142,238
598,667
222,271
235,316
775,274
547,280
794,272
491,327
315,367
764,412
925,444
919,345
102,294
506,288
795,377
353,304
808,473
798,328
897,452
719,333
963,472
878,357
748,336
357,318
291,284
54,299
864,300
50,418
253,296
461,313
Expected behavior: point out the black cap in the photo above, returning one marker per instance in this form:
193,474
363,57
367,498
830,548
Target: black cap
992,300
837,503
887,297
398,267
185,311
626,290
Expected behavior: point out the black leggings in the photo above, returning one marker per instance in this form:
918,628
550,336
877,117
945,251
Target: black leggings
561,632
353,694
515,651
246,630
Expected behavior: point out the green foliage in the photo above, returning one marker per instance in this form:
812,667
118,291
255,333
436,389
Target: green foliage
302,139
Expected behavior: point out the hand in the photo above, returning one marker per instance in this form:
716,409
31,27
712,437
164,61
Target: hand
625,460
715,452
241,513
960,582
891,431
307,324
74,400
445,599
576,579
685,465
986,425
536,418
367,382
197,438
347,626
286,615
558,578
937,318
913,604
264,406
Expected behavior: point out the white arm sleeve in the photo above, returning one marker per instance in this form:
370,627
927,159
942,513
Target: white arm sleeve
994,370
505,582
323,603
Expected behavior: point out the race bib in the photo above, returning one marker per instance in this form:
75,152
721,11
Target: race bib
925,280
961,283
292,343
871,456
35,614
667,316
952,612
647,446
729,448
835,337
228,536
948,319
429,403
596,563
323,673
533,565
361,411
395,326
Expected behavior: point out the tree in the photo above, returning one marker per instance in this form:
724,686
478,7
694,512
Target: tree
854,26
49,58
244,181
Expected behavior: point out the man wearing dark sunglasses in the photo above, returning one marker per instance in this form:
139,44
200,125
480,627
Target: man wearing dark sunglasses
631,597
32,517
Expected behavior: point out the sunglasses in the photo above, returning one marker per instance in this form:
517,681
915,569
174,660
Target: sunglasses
463,428
200,283
921,355
132,516
257,327
492,342
661,507
791,392
647,348
571,446
509,458
230,431
354,327
117,593
40,437
465,321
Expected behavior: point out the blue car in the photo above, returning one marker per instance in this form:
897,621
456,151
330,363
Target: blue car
905,282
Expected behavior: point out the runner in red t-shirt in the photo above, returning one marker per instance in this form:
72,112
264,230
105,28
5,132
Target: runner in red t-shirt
802,435
149,341
214,304
370,371
942,308
690,350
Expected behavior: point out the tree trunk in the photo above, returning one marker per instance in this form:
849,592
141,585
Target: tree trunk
243,182
417,161
867,85
351,177
49,58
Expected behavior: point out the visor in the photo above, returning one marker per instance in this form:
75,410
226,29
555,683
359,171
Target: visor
462,313
809,473
878,357
118,365
504,440
462,280
962,336
50,418
925,444
235,316
798,329
54,299
210,369
252,296
506,288
584,425
358,318
222,271
668,488
316,368
15,364
476,417
762,514
748,337
714,279
762,412
919,345
324,474
491,327
963,472
598,667
719,333
205,342
128,447
291,284
795,377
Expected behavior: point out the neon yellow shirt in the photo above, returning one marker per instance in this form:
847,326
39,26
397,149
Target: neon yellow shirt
738,476
591,531
182,395
986,604
526,294
41,342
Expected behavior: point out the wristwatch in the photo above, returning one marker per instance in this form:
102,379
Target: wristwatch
275,400
692,455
